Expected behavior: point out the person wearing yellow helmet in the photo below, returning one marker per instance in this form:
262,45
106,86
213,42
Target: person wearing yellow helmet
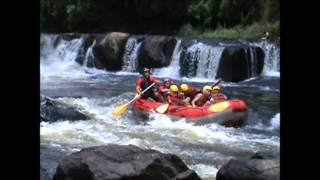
145,81
174,97
202,98
217,95
189,92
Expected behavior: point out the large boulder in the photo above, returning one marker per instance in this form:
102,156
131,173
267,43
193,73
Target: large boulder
156,51
261,166
109,51
52,110
115,162
238,63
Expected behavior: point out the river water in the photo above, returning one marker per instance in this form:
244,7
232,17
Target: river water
95,92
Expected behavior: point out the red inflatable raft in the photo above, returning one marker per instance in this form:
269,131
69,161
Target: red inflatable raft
228,113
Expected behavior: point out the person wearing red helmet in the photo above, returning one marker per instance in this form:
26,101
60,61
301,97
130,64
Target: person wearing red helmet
164,88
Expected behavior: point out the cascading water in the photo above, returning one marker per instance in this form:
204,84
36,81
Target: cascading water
59,60
130,61
202,60
272,58
89,57
173,70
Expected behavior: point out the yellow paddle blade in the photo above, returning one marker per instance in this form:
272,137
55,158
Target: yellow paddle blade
119,110
219,107
162,108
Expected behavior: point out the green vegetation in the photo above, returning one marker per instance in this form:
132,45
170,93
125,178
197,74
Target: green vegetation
253,31
205,18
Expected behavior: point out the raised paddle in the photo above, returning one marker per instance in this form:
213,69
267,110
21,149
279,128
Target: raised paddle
119,110
216,83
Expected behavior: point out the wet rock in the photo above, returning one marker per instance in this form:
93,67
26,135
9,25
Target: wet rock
51,111
122,162
238,63
109,51
156,51
261,166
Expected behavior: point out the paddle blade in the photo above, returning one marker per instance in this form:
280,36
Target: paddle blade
119,110
162,108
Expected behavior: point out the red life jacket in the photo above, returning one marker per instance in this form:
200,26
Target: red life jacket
175,100
143,84
203,99
219,97
192,92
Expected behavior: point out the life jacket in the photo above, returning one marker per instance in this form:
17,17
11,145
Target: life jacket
146,83
175,100
203,99
218,97
192,92
161,88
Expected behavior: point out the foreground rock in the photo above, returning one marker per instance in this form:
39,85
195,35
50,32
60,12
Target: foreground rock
261,166
51,111
122,162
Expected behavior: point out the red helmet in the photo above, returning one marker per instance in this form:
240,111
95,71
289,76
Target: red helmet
167,80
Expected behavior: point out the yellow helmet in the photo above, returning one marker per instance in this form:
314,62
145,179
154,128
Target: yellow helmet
206,88
216,88
174,88
184,87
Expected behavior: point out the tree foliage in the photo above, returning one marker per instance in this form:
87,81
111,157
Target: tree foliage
155,17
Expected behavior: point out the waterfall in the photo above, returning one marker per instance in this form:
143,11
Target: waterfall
130,61
272,58
89,57
202,60
251,57
172,70
57,56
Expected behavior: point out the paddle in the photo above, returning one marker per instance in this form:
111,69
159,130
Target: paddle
119,110
216,83
162,108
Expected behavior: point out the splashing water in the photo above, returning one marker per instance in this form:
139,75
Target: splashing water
173,70
130,56
272,58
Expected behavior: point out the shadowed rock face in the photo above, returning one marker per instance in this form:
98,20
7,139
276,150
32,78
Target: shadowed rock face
156,51
51,111
109,51
122,162
240,62
261,166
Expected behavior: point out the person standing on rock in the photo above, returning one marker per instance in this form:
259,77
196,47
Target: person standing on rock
266,36
145,81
